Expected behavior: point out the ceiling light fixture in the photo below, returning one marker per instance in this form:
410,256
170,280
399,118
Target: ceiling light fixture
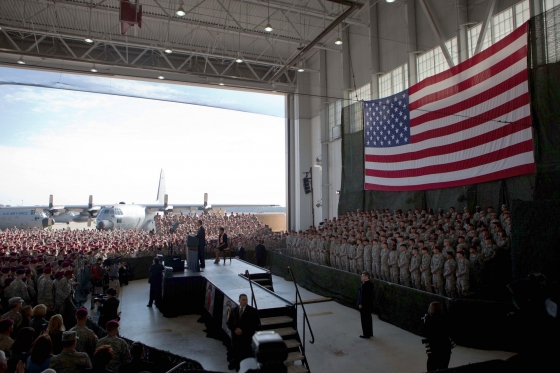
268,27
161,77
88,40
180,12
338,40
390,1
300,68
221,83
168,50
93,69
21,61
238,59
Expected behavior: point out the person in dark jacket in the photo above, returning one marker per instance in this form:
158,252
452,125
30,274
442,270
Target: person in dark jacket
201,235
156,282
243,322
123,274
137,365
260,253
437,338
109,309
239,251
101,358
365,305
223,244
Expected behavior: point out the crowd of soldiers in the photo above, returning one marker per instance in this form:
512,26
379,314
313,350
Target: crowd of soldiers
450,254
244,229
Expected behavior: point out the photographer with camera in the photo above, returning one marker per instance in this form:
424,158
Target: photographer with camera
438,343
108,307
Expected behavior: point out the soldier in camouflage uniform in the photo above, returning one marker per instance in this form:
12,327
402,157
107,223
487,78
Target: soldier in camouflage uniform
360,258
16,305
332,253
63,291
392,261
121,354
376,259
436,267
404,263
45,290
449,270
70,360
475,260
414,268
488,256
351,255
384,262
368,265
463,266
87,340
343,257
19,288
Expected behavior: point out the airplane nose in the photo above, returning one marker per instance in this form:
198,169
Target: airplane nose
105,225
47,221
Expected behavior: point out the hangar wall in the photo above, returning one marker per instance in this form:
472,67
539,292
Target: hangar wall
395,31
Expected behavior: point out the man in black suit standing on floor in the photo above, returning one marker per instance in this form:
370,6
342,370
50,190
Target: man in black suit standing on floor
365,305
239,251
201,235
260,253
243,322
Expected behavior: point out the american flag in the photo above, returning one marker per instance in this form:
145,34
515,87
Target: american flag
467,125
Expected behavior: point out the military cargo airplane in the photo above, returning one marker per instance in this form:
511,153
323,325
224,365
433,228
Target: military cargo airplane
111,216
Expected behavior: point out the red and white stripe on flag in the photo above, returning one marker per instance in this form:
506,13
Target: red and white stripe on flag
469,124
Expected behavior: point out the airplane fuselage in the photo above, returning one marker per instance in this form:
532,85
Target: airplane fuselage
123,216
23,219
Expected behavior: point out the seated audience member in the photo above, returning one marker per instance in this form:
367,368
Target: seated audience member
138,365
56,330
120,347
6,328
21,347
70,360
38,320
40,356
20,367
101,359
87,339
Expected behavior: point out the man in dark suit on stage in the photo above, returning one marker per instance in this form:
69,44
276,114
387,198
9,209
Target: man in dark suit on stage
201,235
243,322
156,282
365,305
239,251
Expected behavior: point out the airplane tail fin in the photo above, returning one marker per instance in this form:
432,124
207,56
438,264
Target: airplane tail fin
161,188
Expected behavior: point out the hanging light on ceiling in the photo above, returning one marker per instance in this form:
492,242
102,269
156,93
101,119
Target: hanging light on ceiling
21,61
168,50
88,39
93,69
268,27
338,40
161,77
300,68
221,83
239,59
180,12
390,1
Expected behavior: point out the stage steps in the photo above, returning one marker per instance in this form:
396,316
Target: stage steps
262,279
286,326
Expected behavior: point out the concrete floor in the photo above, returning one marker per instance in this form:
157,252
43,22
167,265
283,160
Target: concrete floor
337,347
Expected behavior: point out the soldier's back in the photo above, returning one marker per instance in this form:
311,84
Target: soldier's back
70,361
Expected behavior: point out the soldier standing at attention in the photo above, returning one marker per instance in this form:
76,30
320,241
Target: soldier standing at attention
367,256
436,267
463,266
404,263
376,259
449,269
384,262
351,255
474,273
121,354
360,258
16,304
392,261
19,288
69,360
414,267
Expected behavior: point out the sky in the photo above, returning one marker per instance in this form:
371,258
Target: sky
72,143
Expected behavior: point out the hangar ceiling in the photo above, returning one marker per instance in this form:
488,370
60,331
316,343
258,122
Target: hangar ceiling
214,42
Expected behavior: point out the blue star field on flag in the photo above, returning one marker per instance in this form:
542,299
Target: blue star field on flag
387,121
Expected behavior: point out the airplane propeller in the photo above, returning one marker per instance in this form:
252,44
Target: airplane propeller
166,207
52,208
92,210
206,207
